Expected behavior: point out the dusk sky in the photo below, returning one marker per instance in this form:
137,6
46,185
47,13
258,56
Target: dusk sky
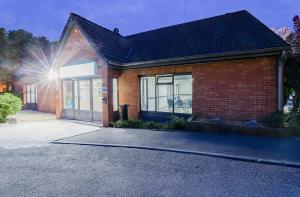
48,17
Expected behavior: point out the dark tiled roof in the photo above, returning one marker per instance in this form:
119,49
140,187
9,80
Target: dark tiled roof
110,45
229,33
238,31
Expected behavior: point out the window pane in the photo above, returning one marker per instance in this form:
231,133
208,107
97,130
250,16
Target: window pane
144,93
165,98
28,99
97,95
67,94
32,95
183,94
35,86
148,93
75,84
164,79
115,94
84,93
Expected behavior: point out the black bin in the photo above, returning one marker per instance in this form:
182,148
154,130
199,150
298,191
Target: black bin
124,112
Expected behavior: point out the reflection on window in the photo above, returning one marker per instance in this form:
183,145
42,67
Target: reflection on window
67,94
183,94
115,94
165,98
167,93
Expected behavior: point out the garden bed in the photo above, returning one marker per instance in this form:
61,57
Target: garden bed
277,125
238,127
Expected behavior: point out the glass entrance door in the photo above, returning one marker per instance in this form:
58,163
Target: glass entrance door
83,99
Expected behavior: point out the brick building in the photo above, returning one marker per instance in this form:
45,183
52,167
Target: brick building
227,66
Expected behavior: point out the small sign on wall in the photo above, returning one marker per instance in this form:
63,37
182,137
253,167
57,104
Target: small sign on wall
104,89
78,70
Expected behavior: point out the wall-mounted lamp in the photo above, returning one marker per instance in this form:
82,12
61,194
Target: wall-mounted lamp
51,75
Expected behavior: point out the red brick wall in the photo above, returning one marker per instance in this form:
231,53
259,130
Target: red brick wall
107,80
240,89
76,49
46,101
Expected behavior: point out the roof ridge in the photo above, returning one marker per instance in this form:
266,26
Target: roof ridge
189,22
74,16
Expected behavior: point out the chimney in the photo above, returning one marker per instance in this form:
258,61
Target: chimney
116,30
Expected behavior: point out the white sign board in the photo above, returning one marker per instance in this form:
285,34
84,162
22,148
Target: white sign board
78,70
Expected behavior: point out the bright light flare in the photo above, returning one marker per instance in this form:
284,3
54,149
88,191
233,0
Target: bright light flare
51,75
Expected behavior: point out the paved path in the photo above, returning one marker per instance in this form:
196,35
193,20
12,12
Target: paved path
34,129
32,116
268,148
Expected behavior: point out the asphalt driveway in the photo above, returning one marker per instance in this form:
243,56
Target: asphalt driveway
269,149
35,129
30,166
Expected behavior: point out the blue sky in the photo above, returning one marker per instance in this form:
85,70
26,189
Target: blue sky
48,17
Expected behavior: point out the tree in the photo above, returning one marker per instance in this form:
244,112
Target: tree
15,50
292,66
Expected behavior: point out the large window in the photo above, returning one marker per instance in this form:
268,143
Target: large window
167,93
115,94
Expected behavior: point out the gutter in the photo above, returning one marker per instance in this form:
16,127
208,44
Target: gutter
280,80
275,51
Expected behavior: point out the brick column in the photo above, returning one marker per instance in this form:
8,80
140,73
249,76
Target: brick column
59,98
107,95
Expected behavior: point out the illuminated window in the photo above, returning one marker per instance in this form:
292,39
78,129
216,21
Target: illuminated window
167,93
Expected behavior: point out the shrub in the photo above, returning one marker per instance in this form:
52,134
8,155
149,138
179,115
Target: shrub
176,122
130,123
173,123
121,124
281,120
276,120
151,125
9,105
294,119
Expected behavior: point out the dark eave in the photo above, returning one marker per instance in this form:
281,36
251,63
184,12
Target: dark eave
201,58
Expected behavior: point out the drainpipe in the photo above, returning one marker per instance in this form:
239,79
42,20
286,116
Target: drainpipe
281,81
